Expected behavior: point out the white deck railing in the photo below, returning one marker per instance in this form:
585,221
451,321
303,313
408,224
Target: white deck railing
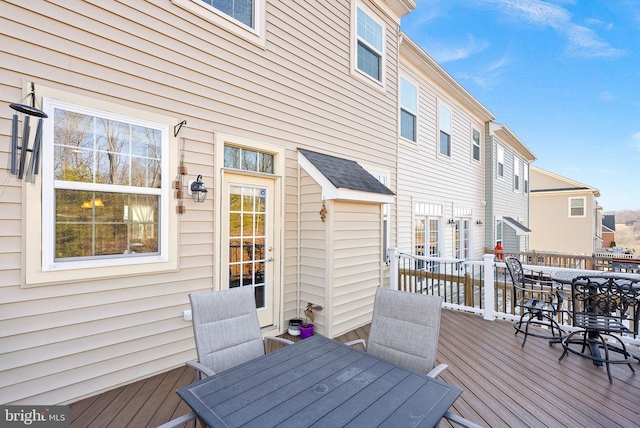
465,285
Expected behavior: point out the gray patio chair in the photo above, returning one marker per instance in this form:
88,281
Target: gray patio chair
540,301
227,333
404,329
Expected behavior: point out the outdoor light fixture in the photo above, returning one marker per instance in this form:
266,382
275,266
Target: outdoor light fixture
451,221
479,222
197,189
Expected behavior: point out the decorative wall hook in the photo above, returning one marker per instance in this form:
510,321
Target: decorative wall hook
178,127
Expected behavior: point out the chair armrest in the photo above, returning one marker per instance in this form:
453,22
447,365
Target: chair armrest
355,342
459,420
437,370
279,339
201,368
179,421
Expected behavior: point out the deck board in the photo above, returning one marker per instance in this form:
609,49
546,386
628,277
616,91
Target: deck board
504,385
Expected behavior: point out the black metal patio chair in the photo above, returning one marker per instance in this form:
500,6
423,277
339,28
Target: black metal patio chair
604,310
540,301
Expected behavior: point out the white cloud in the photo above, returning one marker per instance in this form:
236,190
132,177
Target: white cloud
636,139
581,41
584,42
607,96
444,54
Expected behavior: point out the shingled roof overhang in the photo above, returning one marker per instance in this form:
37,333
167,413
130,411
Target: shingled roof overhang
520,228
343,179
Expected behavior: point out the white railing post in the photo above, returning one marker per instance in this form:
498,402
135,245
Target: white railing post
394,260
489,288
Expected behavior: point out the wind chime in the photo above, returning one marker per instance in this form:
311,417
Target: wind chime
20,149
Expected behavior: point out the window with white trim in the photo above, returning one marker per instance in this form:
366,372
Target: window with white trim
408,110
240,10
516,173
577,207
500,160
475,144
463,238
245,18
444,123
103,177
525,170
369,44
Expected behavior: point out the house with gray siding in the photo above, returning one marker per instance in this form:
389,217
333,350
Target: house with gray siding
507,189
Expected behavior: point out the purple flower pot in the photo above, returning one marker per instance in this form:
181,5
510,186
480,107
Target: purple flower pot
306,330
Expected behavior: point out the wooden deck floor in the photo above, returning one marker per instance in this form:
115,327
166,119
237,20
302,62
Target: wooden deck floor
504,385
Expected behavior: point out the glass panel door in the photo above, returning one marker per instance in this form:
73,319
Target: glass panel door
248,240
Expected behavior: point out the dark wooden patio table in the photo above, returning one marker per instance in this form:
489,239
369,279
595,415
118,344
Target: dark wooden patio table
323,382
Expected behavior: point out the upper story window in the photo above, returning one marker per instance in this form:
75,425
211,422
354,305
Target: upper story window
408,110
104,199
577,207
444,122
245,18
525,170
516,173
500,160
240,10
369,44
475,144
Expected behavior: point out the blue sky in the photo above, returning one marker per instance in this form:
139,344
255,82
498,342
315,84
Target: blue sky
563,75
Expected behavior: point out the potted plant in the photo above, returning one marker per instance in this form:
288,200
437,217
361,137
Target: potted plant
306,328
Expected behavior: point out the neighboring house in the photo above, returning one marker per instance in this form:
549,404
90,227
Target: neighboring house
100,253
441,159
608,230
565,215
507,164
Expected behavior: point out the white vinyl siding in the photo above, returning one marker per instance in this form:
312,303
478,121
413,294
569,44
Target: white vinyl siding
73,336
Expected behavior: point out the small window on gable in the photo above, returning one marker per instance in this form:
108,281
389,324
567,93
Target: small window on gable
516,173
577,207
408,110
369,45
476,144
444,121
500,160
